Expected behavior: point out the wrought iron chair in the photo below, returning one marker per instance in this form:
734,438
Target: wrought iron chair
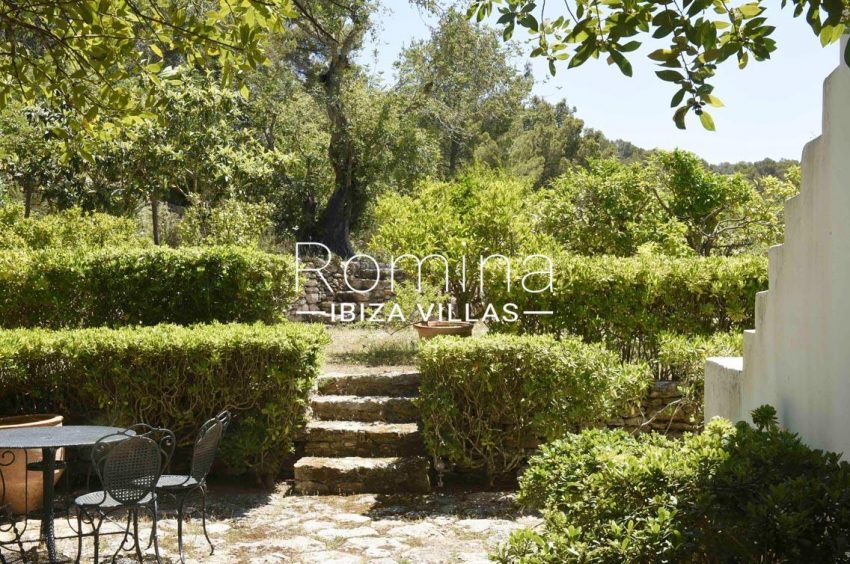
128,466
180,487
7,520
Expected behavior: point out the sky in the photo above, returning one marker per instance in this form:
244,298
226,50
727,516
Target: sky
773,107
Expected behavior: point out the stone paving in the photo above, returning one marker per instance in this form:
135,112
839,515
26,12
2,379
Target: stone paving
254,527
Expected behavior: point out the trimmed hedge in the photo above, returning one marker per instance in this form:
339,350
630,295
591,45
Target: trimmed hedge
143,286
67,229
171,376
627,303
731,494
487,402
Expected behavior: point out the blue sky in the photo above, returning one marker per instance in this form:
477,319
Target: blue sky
772,108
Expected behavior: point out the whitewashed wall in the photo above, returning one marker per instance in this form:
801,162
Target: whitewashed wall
798,357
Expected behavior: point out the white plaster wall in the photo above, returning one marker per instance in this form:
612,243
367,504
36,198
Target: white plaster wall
723,395
798,357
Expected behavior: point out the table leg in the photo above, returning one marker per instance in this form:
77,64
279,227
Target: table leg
48,534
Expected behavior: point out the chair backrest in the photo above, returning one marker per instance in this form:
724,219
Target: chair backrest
206,445
161,436
129,466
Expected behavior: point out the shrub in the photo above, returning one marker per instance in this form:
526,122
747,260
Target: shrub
148,286
231,222
682,359
473,216
486,402
171,376
627,303
68,229
732,494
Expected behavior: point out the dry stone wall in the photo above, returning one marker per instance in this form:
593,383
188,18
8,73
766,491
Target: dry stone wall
664,409
317,299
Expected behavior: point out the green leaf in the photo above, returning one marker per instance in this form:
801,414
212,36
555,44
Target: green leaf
679,117
751,10
707,121
670,75
713,100
622,62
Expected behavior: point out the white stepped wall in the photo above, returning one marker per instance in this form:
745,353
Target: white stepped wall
798,359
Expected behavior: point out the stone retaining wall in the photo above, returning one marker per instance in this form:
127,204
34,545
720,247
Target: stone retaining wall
664,409
317,298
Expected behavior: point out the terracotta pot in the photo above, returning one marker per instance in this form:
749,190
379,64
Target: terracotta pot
24,488
431,329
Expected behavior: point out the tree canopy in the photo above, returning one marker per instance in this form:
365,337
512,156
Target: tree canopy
85,57
700,35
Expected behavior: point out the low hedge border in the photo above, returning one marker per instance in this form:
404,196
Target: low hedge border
487,402
143,286
628,303
171,376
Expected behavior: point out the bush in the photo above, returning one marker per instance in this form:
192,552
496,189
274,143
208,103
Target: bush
628,303
171,376
231,222
473,216
68,229
116,287
682,359
732,494
487,402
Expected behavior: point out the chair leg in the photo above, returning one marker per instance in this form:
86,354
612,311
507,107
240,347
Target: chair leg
153,534
136,535
204,519
180,501
79,535
96,529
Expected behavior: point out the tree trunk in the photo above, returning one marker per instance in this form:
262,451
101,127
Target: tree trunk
334,227
155,218
454,155
28,194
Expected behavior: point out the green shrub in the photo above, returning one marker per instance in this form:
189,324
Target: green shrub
731,494
682,359
627,303
230,222
171,376
68,229
475,215
486,402
116,287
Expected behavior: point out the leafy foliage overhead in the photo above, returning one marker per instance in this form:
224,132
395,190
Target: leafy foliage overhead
701,34
81,54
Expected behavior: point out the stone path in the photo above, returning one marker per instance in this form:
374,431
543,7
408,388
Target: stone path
255,528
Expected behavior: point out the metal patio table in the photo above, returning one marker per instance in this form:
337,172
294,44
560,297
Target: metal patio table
49,440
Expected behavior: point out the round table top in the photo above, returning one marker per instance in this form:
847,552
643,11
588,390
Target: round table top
55,437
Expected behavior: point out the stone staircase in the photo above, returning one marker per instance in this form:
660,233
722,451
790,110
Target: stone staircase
364,437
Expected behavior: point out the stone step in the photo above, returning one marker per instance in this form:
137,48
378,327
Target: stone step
365,408
356,438
352,475
393,384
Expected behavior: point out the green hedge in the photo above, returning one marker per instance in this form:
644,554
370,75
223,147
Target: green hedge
66,229
171,376
487,402
143,286
731,494
627,303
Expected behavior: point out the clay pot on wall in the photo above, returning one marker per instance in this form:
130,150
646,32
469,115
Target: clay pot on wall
431,329
24,488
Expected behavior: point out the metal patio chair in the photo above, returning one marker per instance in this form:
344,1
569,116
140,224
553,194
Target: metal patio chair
128,466
180,487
